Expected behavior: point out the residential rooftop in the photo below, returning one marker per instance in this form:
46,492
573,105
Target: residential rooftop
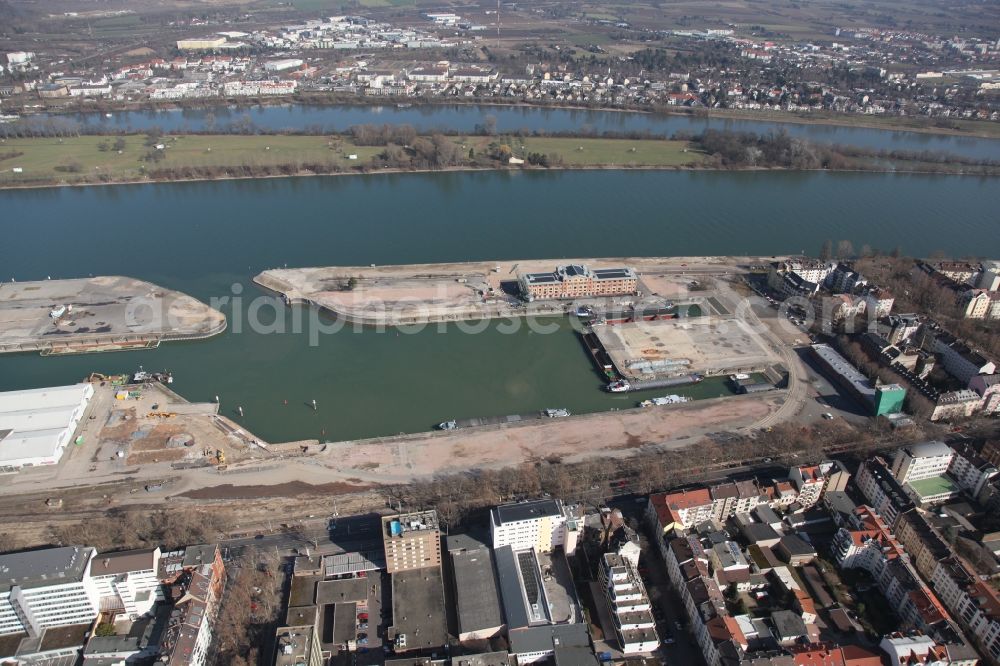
533,510
399,525
39,568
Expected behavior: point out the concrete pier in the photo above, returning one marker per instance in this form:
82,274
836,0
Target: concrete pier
427,293
99,314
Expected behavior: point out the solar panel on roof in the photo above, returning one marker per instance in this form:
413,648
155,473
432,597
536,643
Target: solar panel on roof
526,562
612,273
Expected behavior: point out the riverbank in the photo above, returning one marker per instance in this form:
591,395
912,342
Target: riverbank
131,159
959,128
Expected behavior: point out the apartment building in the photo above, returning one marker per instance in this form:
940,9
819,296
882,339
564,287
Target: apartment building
987,387
718,634
683,509
921,461
900,329
628,604
875,549
959,360
959,271
189,632
878,301
798,275
540,524
971,471
46,588
412,541
812,481
127,581
578,281
976,304
734,497
921,649
884,494
973,601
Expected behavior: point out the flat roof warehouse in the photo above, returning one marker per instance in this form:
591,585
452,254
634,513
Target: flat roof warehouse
37,424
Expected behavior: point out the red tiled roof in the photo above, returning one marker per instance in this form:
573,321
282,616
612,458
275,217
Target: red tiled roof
817,655
858,656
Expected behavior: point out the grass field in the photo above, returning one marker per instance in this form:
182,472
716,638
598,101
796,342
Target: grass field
80,158
52,159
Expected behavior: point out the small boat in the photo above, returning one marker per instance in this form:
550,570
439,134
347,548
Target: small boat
403,105
665,400
141,377
556,413
447,425
738,377
108,115
620,386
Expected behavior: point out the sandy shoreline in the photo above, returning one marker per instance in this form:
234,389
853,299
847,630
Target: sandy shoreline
499,169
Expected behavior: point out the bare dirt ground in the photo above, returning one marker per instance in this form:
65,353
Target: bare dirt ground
290,489
438,292
613,434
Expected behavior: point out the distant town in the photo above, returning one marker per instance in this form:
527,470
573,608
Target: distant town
443,56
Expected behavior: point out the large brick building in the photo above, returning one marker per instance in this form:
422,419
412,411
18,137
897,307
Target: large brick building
578,281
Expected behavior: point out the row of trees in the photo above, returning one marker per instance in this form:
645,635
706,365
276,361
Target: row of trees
916,403
120,529
465,498
778,149
250,610
916,291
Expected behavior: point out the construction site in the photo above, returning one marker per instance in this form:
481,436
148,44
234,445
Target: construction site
649,350
108,313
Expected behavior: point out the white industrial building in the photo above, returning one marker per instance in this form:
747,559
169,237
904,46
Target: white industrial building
46,588
282,65
37,424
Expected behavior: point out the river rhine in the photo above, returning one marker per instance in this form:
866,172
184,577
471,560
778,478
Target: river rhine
202,238
465,118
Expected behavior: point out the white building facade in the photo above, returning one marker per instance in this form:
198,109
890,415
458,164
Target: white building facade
47,588
128,581
537,524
